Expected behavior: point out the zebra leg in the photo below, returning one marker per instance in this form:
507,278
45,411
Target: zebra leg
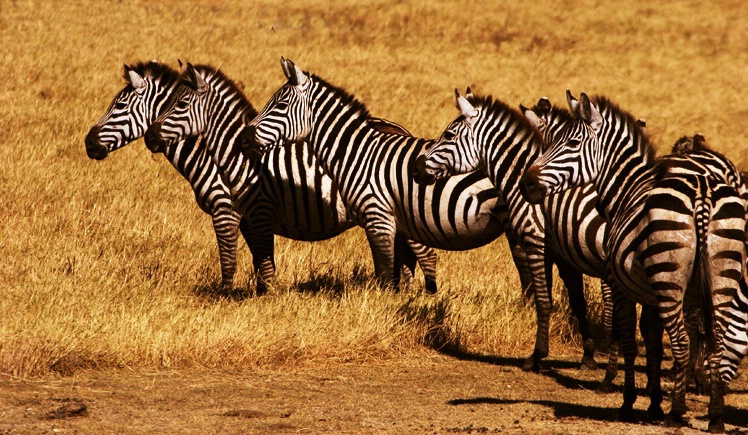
625,311
613,339
540,266
680,346
523,268
382,245
697,355
716,394
652,331
574,282
261,241
226,223
426,258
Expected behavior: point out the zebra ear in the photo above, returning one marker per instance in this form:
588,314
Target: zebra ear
642,124
200,86
289,75
467,109
544,105
590,113
135,80
573,103
532,117
181,65
468,92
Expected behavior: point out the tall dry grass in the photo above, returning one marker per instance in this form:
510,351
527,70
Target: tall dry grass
111,264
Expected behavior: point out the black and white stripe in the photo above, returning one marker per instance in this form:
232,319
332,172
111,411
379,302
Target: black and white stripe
676,239
283,193
374,173
131,112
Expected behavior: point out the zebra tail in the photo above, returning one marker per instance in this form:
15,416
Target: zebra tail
702,214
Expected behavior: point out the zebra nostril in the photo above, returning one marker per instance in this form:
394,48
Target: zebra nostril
530,187
94,149
153,140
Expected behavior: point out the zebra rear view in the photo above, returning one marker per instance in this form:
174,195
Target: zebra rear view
677,239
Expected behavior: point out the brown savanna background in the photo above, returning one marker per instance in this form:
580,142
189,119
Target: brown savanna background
110,265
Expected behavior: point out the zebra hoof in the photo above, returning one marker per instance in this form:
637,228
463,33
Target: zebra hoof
716,425
431,287
655,413
531,364
588,363
626,415
604,388
675,420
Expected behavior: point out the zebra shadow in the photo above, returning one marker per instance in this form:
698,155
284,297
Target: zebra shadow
215,292
550,368
332,281
560,409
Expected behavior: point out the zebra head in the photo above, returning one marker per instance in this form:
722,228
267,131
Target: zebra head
185,115
456,151
133,108
572,158
287,116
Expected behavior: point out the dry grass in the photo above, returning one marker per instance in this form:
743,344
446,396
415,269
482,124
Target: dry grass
111,264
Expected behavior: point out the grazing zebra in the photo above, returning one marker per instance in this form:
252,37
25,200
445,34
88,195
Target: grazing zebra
676,239
304,212
374,173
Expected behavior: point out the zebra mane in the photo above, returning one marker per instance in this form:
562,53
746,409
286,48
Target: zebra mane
345,97
213,75
154,70
609,109
495,108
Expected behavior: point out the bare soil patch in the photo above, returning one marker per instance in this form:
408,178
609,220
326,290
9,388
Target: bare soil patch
433,394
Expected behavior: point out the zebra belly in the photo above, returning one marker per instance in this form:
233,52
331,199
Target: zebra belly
456,214
303,202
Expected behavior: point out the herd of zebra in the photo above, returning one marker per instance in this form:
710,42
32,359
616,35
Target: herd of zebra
578,188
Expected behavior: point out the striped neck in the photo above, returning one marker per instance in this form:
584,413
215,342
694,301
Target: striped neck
627,161
337,119
227,111
508,145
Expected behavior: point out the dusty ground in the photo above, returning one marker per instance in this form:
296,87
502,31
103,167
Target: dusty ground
436,394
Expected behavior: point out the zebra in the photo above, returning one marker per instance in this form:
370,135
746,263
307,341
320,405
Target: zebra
374,173
689,154
286,193
735,338
149,87
669,231
133,109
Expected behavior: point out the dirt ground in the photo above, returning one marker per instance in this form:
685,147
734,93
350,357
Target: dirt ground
434,394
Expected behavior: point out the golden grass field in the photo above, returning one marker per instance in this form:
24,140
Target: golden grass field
111,265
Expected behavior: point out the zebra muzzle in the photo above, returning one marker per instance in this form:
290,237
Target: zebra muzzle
530,187
421,173
94,149
153,140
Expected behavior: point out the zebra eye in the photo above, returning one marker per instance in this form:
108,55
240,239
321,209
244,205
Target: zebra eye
574,143
121,105
282,105
449,135
182,104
